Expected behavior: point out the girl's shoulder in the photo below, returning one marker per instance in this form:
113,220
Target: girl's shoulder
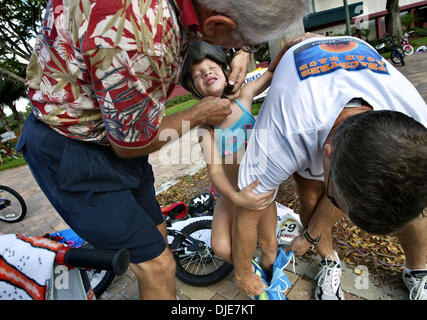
243,103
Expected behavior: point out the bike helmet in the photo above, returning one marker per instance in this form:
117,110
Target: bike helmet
201,205
196,53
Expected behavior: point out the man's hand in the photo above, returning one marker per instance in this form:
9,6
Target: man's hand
213,110
299,246
250,284
246,198
239,67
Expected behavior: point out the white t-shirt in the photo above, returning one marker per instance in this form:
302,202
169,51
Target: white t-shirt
312,84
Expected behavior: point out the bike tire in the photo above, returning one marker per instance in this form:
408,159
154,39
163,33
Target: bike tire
408,49
397,58
16,210
102,286
401,54
186,273
100,280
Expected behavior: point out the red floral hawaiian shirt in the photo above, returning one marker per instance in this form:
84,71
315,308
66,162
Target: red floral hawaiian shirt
104,68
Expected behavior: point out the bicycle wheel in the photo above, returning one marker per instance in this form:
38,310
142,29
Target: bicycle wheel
198,266
100,280
397,57
12,205
408,49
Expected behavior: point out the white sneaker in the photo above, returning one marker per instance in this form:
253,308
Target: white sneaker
329,280
416,282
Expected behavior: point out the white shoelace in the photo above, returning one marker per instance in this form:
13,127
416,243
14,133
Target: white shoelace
329,276
418,288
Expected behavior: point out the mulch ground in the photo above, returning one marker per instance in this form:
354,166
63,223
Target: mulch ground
382,255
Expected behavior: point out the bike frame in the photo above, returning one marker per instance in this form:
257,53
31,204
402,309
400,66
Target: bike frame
195,245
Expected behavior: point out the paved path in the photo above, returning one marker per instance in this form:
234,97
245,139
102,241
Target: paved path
42,218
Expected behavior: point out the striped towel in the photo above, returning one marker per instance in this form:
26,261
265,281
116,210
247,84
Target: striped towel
26,266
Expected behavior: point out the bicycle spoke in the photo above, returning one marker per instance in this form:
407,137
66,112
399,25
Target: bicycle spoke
196,260
189,263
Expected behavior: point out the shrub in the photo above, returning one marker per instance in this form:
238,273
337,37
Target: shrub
177,100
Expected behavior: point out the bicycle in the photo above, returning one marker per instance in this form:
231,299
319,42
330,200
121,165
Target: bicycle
397,54
189,242
9,151
188,238
196,263
12,205
408,49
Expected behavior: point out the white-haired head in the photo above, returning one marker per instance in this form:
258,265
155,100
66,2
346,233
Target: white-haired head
260,20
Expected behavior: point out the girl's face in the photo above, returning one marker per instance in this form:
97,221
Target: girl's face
208,78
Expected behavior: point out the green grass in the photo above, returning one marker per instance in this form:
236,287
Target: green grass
188,104
255,108
418,42
180,107
8,164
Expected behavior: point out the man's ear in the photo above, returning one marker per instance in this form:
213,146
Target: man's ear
327,151
215,22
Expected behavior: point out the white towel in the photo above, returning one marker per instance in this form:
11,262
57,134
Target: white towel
26,266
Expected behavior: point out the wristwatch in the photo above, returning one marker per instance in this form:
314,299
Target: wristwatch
309,238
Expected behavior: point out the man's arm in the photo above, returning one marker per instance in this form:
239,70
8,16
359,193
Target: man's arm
325,215
211,111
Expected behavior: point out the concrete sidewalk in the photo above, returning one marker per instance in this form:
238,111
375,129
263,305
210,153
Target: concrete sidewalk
42,218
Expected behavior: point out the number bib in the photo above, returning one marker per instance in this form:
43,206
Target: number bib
288,225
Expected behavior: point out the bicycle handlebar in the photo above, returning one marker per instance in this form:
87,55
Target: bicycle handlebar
114,260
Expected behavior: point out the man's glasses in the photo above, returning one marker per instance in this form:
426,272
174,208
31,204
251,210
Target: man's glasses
331,198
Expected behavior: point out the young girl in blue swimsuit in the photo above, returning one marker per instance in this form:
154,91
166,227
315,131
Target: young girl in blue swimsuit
204,73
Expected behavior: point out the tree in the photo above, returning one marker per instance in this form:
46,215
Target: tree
393,9
10,91
19,24
3,119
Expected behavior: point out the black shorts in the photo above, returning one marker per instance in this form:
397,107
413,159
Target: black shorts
108,201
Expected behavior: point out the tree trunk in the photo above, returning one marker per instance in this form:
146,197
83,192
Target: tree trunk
3,119
393,9
252,63
16,115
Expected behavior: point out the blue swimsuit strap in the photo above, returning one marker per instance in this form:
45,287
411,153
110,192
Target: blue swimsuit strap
244,111
241,106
